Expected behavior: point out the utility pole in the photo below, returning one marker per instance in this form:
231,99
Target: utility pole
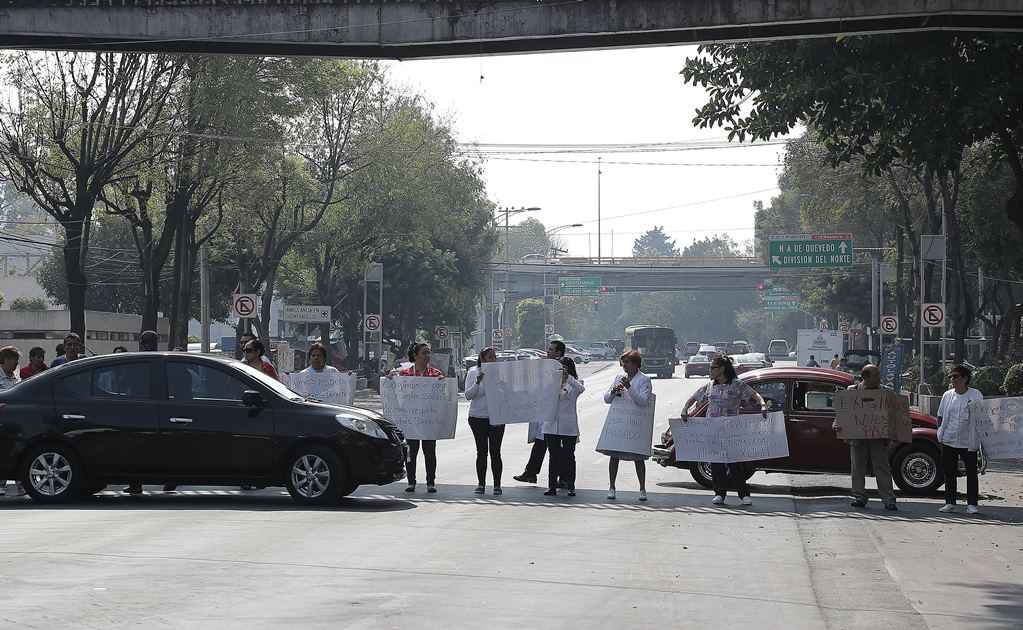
204,294
598,209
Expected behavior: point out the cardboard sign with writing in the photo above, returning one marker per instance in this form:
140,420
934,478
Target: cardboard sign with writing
999,422
628,427
423,408
522,391
872,414
335,387
748,437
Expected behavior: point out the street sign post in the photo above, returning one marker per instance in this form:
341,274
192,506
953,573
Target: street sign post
932,315
844,327
890,325
441,332
306,313
579,286
371,323
244,305
548,329
801,251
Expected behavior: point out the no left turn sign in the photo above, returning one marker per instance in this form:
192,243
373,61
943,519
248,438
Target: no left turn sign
371,322
244,305
890,325
933,315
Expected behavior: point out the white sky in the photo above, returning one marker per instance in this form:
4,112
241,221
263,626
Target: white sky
600,97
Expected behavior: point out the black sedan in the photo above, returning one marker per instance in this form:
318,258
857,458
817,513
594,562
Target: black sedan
175,418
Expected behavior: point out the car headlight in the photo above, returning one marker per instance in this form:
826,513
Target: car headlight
362,425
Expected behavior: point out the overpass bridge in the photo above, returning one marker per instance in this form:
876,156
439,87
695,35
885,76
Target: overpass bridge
408,29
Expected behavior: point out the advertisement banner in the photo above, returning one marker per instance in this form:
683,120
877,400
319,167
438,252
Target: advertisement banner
628,427
745,438
891,367
823,345
423,408
335,387
522,391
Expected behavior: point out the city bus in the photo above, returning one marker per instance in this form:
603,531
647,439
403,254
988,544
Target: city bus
657,345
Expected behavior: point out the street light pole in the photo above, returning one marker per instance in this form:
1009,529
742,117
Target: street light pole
549,233
507,212
598,209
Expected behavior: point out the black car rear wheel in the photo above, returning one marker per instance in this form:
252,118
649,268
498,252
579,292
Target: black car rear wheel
315,475
916,469
702,475
52,473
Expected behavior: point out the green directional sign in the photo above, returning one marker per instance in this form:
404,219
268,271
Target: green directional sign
801,251
579,286
780,293
781,305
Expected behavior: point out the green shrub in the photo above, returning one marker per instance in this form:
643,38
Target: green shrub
28,304
989,381
1013,383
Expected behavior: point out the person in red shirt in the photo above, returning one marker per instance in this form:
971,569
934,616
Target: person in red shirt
36,363
419,354
254,358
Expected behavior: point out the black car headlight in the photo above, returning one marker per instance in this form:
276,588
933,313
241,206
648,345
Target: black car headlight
362,425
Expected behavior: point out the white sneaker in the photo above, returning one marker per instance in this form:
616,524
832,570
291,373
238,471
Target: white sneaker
642,495
611,494
948,507
747,500
972,509
718,500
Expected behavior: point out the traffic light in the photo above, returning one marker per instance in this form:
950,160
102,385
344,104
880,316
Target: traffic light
605,290
761,286
596,304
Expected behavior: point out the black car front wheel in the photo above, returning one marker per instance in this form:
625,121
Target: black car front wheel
702,475
916,469
52,473
315,475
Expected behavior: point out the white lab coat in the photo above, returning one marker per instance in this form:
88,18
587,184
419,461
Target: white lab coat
958,429
476,395
566,419
639,389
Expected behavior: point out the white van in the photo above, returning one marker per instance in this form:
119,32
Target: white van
778,349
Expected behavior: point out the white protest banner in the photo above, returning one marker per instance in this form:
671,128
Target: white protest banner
335,387
745,438
1000,425
872,414
423,408
628,427
522,391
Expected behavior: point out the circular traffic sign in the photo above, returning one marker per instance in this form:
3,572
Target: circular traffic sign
372,323
933,315
244,305
845,327
890,325
548,329
497,335
824,324
442,332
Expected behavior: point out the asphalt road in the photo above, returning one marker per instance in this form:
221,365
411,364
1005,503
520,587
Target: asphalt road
800,557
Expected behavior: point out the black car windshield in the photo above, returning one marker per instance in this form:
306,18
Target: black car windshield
278,387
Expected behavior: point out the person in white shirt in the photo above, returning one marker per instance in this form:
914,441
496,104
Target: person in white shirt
488,437
9,377
637,386
957,432
562,433
317,357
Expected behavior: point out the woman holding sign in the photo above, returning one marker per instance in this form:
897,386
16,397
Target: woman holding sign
317,357
725,394
419,355
562,432
636,385
488,437
959,437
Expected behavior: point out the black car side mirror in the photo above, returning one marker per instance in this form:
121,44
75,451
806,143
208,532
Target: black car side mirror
252,398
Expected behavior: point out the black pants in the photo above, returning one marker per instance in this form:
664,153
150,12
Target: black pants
536,457
562,448
719,475
429,454
950,466
488,441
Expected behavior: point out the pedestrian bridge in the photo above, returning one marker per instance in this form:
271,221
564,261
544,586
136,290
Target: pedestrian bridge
410,29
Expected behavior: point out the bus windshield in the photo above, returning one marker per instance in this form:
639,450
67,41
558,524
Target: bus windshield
654,342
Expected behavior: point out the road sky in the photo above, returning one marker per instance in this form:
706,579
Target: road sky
695,188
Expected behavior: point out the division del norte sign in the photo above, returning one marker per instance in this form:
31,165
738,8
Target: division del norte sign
794,251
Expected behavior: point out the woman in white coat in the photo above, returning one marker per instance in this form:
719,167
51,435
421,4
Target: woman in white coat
637,386
562,432
957,432
488,437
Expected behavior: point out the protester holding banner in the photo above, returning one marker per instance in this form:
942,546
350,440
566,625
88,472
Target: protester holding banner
562,432
870,451
725,394
555,350
419,355
637,386
488,437
317,357
959,437
254,350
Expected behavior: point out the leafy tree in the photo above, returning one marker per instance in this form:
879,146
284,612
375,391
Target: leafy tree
530,317
654,244
523,238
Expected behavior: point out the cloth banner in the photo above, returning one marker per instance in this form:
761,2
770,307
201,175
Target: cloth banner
999,422
522,391
872,413
748,437
336,387
628,427
423,408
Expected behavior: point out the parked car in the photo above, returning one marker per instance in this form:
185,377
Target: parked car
697,365
602,350
534,352
577,355
508,356
187,419
807,397
778,349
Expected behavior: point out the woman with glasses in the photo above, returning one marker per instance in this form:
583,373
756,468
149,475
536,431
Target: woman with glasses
419,355
633,383
959,438
488,436
253,358
725,394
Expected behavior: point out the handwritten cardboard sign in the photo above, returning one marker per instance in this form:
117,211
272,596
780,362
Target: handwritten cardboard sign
522,391
628,427
999,422
872,414
423,408
333,387
745,438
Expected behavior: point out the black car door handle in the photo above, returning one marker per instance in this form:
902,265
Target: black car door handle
181,420
71,416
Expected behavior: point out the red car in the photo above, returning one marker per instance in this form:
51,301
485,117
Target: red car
807,396
698,365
